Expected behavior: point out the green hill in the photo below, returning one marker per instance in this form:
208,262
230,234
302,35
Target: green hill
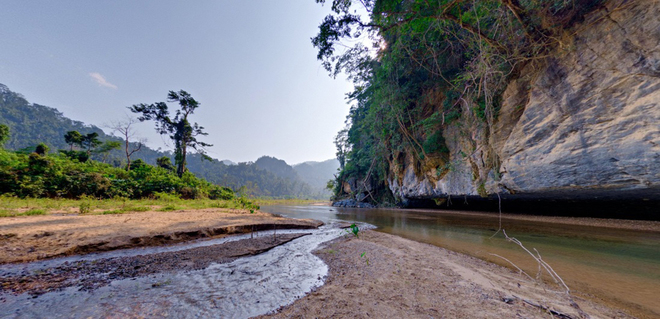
31,124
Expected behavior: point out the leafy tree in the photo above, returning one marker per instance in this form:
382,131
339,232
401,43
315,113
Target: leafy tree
179,128
106,148
90,141
73,138
4,134
42,149
165,163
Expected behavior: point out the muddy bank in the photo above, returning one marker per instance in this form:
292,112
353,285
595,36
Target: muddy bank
92,274
32,238
385,276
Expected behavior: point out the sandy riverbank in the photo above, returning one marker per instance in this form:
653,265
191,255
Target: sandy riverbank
400,278
375,275
30,238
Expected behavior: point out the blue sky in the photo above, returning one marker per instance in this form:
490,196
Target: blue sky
250,64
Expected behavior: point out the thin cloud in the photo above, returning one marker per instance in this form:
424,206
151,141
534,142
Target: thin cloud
98,78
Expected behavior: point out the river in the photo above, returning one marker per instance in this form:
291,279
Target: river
618,266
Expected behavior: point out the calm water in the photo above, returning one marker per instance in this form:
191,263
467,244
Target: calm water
621,267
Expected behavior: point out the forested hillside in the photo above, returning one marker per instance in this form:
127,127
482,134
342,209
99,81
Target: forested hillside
317,174
31,124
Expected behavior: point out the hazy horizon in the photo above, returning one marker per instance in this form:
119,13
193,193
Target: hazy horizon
251,65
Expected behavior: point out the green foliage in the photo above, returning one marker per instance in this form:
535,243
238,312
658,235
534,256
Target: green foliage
73,138
165,163
60,176
432,61
42,149
354,230
39,123
4,134
80,156
178,127
85,207
169,208
33,212
105,148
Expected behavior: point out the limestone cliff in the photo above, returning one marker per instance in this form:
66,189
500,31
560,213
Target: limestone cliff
582,123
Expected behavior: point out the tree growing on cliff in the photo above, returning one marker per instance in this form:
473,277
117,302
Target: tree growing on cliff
178,127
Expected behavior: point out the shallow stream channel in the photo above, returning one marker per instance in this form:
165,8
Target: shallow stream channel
243,288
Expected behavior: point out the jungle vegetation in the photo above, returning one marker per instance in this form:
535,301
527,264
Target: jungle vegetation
419,66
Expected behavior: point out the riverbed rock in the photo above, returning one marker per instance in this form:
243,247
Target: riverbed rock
586,123
352,203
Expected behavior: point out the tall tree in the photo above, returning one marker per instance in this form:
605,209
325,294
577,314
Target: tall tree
73,138
178,128
125,128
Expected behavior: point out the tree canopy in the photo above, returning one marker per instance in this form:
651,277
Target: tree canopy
178,127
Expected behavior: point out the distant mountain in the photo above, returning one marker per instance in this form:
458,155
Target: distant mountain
31,124
277,167
317,174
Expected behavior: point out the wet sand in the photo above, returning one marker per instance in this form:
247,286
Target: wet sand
385,276
92,274
30,238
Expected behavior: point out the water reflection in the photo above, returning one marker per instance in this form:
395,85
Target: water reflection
618,265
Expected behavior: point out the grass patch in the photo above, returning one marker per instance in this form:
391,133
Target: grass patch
6,213
169,208
30,212
13,206
136,209
111,212
33,212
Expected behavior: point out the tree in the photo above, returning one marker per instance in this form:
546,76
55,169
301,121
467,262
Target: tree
106,147
73,138
127,132
4,134
90,141
165,163
179,128
42,149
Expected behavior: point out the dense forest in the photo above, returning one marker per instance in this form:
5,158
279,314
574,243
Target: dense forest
429,65
32,124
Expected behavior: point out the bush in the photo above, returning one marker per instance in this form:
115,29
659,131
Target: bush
64,175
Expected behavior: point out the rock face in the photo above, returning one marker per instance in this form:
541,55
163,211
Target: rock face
586,123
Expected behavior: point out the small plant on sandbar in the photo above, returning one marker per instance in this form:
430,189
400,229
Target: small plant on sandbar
353,230
364,255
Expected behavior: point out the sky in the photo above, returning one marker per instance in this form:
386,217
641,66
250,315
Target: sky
250,64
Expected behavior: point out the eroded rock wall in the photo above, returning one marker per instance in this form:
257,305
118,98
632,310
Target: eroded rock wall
587,120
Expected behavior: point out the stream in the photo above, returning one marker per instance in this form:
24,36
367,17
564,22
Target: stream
246,287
